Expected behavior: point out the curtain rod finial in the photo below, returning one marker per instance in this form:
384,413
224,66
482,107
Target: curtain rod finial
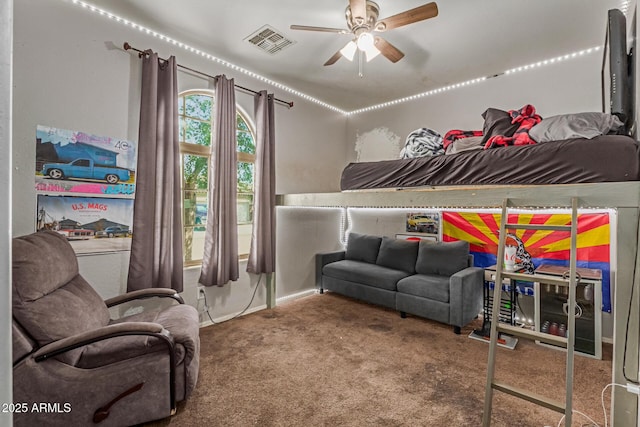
126,46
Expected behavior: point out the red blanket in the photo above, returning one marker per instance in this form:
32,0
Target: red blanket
527,118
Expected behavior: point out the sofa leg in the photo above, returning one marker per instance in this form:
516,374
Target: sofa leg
321,291
456,330
403,314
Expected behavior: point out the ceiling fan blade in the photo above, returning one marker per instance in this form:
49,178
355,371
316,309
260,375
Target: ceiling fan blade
323,29
407,17
388,50
358,9
333,59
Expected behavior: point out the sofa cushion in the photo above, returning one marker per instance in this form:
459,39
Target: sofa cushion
362,247
398,254
442,258
429,286
364,273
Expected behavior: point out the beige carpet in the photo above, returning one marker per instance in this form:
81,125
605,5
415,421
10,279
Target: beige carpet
327,360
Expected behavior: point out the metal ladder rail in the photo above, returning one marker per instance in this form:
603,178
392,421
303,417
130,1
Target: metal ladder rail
496,328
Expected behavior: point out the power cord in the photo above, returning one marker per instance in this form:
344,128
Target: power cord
206,305
629,387
632,388
593,423
626,332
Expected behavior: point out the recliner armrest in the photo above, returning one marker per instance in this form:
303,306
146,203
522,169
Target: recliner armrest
106,332
323,259
142,294
111,331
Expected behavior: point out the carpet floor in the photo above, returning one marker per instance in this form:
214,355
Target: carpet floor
328,360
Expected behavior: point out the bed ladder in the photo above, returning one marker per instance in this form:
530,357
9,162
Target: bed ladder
569,280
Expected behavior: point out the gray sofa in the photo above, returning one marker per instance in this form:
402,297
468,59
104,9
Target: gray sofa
434,280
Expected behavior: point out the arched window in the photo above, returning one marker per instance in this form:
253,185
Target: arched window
195,112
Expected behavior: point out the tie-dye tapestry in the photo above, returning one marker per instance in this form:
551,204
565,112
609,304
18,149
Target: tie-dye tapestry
545,246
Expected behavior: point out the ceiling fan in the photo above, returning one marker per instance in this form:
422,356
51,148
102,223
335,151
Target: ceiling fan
362,21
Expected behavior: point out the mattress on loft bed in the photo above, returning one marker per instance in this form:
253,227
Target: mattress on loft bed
606,158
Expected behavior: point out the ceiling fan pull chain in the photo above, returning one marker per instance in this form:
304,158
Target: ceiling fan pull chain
360,65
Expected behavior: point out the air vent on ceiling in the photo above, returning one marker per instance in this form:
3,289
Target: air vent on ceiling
269,39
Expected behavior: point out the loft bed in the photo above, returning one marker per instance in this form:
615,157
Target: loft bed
606,158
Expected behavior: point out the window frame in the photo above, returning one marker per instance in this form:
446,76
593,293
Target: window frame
188,148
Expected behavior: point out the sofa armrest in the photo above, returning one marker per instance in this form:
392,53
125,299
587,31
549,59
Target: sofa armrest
323,259
465,295
144,293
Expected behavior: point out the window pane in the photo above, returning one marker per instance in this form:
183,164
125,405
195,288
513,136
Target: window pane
195,182
181,105
246,143
182,126
197,132
245,177
242,125
245,192
198,106
196,172
245,208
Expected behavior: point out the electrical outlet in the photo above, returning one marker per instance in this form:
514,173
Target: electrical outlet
201,294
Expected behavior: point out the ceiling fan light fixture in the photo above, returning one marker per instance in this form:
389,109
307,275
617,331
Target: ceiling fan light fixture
371,53
365,41
366,44
349,50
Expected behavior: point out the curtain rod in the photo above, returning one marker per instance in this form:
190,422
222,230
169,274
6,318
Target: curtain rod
127,46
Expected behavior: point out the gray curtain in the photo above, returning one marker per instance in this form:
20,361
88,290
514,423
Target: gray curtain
263,242
220,259
156,247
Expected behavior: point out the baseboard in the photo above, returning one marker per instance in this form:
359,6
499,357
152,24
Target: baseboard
607,340
296,296
221,319
280,300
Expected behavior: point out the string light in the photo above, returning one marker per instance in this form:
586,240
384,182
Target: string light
553,60
623,7
208,56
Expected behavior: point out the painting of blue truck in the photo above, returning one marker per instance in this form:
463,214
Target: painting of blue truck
77,162
85,169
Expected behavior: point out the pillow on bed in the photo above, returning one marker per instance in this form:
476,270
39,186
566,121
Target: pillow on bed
465,144
579,125
497,122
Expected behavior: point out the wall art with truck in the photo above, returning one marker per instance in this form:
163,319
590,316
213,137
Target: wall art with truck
76,162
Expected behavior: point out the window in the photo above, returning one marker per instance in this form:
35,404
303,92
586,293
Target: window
196,124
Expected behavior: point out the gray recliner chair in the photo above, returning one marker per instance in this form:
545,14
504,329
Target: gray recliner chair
76,364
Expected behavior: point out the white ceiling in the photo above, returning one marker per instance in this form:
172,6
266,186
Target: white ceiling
468,39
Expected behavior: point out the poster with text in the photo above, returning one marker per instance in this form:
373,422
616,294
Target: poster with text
544,246
76,162
90,224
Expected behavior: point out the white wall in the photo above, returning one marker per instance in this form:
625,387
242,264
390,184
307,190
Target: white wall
565,87
6,45
71,73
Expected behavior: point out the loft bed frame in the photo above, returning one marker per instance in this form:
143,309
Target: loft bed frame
591,195
624,197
